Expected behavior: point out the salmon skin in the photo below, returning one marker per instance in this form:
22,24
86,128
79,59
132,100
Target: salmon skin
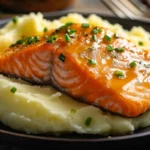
89,63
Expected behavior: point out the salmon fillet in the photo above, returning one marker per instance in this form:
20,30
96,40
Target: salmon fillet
89,63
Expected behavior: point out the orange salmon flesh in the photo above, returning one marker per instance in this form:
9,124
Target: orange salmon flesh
89,63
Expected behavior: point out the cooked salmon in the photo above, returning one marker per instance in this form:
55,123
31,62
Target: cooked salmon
89,63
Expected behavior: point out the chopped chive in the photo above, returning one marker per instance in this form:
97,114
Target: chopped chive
88,121
120,49
12,45
132,64
15,19
70,31
147,65
141,43
106,37
96,30
73,111
94,37
119,74
92,62
110,48
68,24
85,25
45,29
62,57
60,28
29,41
116,35
67,38
13,90
36,39
51,39
20,42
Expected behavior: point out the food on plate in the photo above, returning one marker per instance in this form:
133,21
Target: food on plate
89,63
104,62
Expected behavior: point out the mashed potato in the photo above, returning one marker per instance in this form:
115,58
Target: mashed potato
35,109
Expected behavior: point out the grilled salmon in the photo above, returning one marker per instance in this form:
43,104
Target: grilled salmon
89,63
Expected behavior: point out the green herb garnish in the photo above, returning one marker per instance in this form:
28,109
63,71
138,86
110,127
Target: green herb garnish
88,121
96,30
45,29
15,19
85,25
20,42
120,49
29,40
60,28
70,31
67,38
141,43
62,57
36,39
92,62
110,48
51,39
132,64
94,37
68,24
107,38
119,74
13,90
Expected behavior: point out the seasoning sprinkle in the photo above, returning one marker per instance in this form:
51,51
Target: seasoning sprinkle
106,37
88,121
119,49
15,19
13,90
132,64
85,25
141,43
67,38
110,48
62,57
45,29
94,37
92,62
119,74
